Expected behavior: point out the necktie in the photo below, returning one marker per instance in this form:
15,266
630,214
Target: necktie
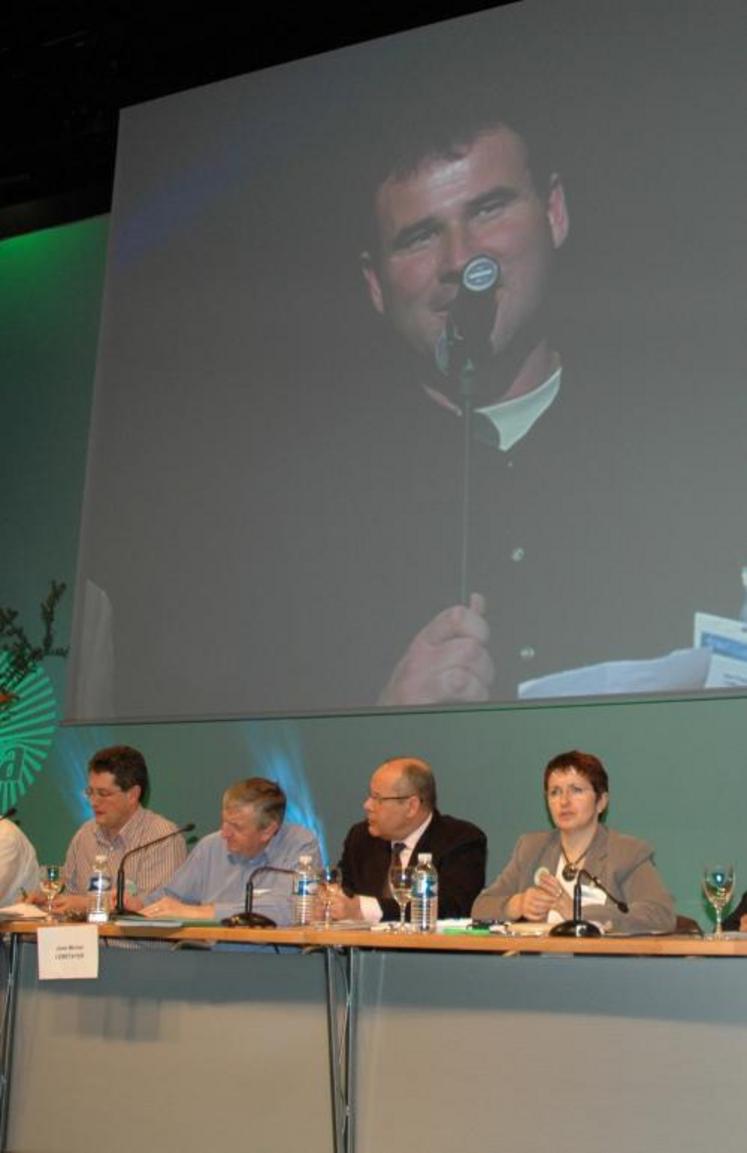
395,859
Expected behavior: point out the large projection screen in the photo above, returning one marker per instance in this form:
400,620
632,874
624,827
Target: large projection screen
324,476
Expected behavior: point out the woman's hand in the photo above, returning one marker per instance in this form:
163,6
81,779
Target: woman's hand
561,902
536,902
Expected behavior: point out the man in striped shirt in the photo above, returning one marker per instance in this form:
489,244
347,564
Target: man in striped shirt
117,787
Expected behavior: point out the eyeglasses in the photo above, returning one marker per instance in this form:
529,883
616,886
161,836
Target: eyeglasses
376,798
101,794
557,791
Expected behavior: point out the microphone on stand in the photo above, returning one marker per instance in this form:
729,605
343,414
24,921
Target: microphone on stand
119,909
577,926
621,905
464,345
249,919
462,349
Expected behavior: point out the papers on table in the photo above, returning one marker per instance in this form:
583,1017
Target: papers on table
23,911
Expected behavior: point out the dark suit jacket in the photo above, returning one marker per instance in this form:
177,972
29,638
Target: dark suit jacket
459,851
731,923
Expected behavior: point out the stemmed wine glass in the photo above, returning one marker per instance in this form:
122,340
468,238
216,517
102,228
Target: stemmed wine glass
50,883
329,884
718,886
400,882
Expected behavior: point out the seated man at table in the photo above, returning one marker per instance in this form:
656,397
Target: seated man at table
19,868
212,883
118,786
402,818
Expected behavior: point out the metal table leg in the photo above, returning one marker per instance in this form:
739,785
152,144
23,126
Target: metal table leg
11,950
342,979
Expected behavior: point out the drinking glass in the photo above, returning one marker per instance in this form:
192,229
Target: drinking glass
400,882
50,883
329,884
718,886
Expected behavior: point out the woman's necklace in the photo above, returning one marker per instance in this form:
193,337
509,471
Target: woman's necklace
570,868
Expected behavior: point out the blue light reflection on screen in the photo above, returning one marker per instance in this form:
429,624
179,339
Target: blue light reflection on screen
275,751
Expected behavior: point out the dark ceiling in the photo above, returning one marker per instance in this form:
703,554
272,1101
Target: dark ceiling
66,68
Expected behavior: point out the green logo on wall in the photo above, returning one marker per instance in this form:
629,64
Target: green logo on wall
27,728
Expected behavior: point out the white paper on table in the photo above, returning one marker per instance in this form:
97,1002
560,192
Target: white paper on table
23,911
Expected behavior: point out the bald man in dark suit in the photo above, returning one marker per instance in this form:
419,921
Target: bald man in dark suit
402,820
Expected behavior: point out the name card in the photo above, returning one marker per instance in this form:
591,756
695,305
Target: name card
68,952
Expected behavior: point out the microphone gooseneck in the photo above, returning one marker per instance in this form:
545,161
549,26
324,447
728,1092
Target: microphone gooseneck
119,909
249,919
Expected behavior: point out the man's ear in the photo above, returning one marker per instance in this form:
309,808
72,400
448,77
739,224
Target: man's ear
371,277
557,211
269,832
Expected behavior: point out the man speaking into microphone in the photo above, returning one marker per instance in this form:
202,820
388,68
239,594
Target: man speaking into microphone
118,786
253,835
464,235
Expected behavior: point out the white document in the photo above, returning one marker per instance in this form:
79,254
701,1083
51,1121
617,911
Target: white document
726,639
679,671
68,952
23,911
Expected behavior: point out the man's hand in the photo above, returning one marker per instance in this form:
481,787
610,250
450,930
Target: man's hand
68,904
446,661
344,908
170,907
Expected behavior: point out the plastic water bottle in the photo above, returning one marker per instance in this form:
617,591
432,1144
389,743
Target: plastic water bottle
99,890
424,904
304,891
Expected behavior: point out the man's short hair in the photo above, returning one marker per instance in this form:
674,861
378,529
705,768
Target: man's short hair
418,776
126,765
586,764
267,797
433,108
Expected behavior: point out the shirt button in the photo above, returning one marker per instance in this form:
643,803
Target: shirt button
517,554
527,653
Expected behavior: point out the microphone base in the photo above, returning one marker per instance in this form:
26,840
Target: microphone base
248,921
575,929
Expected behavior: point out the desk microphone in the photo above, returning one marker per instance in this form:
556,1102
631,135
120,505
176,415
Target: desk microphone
543,871
119,909
248,919
577,926
621,905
